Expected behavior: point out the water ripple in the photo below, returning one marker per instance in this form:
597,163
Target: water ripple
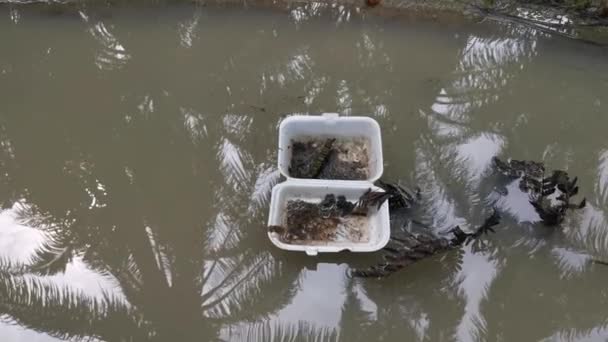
194,123
14,15
112,55
187,31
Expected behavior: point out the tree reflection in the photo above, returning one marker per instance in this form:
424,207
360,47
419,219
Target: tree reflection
275,331
134,201
451,162
62,312
161,184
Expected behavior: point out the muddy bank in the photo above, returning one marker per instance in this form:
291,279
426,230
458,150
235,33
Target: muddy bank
585,20
580,11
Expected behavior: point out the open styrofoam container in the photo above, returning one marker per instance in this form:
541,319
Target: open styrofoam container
314,191
335,126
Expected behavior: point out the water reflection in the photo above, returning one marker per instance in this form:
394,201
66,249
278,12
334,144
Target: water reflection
14,15
570,261
601,186
135,190
594,334
112,54
474,280
187,30
71,293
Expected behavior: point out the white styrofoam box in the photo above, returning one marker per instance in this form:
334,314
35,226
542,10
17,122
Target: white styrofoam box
331,125
315,191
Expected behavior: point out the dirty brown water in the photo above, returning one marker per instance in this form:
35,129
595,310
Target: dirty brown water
138,150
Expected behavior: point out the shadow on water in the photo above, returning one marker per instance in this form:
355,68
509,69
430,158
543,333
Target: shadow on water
138,152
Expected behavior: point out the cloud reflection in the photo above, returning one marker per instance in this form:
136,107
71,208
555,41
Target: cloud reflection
478,271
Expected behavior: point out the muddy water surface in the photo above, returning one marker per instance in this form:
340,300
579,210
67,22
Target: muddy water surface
138,150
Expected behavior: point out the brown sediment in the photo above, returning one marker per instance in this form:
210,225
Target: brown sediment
331,220
344,159
310,157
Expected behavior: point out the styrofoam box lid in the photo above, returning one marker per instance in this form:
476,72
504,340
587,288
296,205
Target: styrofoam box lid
315,191
331,124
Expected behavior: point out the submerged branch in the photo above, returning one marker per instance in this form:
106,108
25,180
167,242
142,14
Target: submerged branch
405,248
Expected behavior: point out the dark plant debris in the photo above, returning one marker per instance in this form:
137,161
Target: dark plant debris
549,195
405,248
329,159
308,221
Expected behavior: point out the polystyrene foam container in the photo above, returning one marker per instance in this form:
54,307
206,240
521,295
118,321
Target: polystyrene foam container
331,125
377,220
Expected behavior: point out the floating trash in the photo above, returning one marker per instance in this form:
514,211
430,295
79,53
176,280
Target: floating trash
330,158
330,163
326,216
550,194
330,147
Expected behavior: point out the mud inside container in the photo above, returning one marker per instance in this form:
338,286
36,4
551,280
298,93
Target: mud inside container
333,219
342,158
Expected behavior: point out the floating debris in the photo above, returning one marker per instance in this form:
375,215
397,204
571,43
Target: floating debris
550,196
309,158
405,248
333,219
530,172
398,196
598,261
331,158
